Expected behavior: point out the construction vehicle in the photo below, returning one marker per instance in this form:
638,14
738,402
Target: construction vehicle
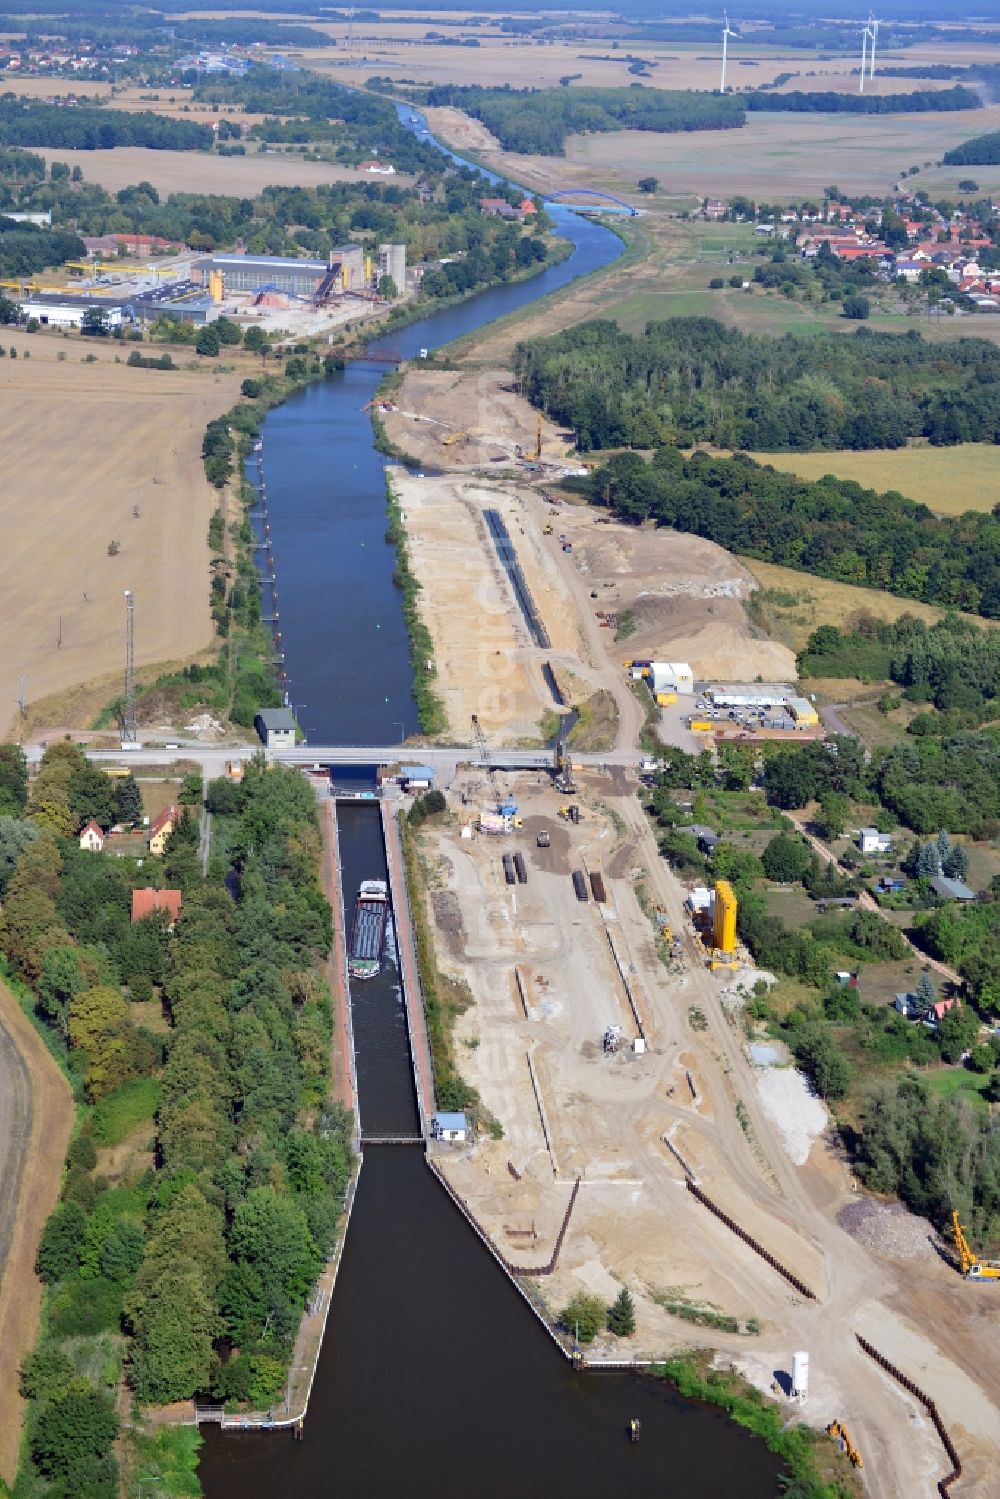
542,841
972,1268
453,437
564,770
840,1433
614,1038
503,808
570,813
547,528
537,451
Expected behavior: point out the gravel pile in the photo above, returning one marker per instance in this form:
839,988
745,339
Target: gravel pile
889,1229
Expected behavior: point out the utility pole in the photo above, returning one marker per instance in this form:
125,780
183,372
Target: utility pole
130,731
22,705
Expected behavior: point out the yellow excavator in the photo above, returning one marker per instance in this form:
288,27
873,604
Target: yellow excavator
840,1433
972,1268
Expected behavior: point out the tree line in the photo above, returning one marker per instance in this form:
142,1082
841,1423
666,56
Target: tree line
29,122
25,248
922,101
981,150
691,380
539,120
220,1239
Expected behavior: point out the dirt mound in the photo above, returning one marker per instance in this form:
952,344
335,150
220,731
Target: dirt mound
889,1229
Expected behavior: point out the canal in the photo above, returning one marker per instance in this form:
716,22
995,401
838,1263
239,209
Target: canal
435,1380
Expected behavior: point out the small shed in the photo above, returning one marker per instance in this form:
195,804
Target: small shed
449,1127
92,838
871,841
276,727
707,839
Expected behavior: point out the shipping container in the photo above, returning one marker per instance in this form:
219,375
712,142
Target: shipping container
700,726
579,885
508,870
597,886
521,869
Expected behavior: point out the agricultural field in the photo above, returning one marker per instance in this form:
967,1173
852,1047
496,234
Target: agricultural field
91,443
948,480
202,171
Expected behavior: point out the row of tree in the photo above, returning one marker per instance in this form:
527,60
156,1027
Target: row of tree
923,101
691,380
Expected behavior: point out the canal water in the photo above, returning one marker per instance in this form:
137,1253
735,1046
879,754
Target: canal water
435,1380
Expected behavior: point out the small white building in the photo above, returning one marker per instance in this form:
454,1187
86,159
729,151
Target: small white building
276,727
671,676
92,838
449,1127
871,841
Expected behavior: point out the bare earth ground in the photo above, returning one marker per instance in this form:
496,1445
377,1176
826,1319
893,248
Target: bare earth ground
83,445
480,411
201,172
775,157
36,1119
606,1118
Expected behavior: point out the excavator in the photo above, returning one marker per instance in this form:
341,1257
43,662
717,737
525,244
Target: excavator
972,1268
564,770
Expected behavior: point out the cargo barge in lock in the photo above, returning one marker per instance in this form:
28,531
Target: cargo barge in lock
371,912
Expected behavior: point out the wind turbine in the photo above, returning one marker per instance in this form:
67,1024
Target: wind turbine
864,55
726,34
873,34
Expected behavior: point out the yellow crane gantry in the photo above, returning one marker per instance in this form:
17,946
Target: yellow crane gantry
972,1268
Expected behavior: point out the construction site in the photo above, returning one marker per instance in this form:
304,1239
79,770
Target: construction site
607,1043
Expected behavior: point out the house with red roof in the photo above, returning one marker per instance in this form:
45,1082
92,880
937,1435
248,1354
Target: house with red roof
92,837
147,902
161,828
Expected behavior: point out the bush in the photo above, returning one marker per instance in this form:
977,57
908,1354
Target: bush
857,307
716,283
251,389
584,1316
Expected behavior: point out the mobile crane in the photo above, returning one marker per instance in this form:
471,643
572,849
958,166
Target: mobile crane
972,1268
504,815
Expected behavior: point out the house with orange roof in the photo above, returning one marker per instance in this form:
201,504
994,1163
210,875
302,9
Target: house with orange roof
92,837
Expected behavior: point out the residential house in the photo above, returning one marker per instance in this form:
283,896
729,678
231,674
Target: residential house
707,839
161,828
949,889
871,841
907,1006
715,208
935,1012
146,902
892,884
498,208
378,168
92,838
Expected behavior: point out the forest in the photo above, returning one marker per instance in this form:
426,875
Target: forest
215,1238
88,127
691,380
539,120
831,527
26,248
980,151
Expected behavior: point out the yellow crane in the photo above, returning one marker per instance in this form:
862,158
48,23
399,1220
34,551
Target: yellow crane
95,267
972,1268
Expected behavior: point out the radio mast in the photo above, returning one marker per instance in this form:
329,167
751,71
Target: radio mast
130,730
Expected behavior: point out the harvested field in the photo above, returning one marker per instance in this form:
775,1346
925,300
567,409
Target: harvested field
201,172
948,480
36,1118
84,445
813,601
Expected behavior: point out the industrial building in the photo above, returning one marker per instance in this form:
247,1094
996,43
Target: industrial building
392,262
803,712
345,270
64,310
671,676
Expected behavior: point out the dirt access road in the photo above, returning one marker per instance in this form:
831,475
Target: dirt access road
36,1120
84,446
567,1110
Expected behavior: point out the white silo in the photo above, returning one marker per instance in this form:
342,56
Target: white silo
800,1375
